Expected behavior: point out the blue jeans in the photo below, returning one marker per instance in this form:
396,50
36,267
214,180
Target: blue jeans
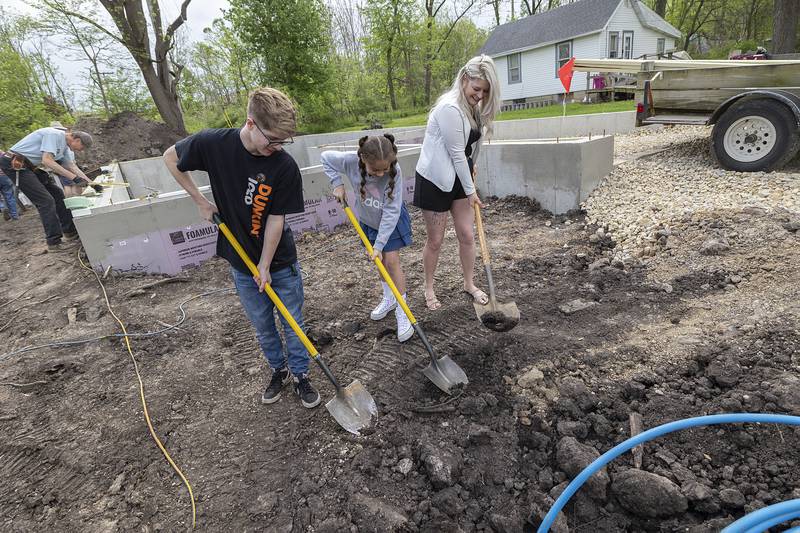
9,198
288,285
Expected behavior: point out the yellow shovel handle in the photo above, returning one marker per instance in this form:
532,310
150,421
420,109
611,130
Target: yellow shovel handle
271,293
384,273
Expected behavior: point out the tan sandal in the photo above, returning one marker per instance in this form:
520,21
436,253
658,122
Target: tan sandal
432,302
478,295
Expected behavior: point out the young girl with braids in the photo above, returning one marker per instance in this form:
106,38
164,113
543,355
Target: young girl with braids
378,183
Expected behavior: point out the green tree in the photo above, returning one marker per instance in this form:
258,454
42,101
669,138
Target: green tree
437,33
138,26
288,42
23,105
388,24
82,42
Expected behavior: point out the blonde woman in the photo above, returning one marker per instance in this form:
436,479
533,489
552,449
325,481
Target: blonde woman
456,127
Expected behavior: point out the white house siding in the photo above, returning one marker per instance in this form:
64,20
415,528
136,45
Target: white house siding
539,70
645,40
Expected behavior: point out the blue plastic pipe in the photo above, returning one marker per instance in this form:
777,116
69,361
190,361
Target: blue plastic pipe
650,434
765,518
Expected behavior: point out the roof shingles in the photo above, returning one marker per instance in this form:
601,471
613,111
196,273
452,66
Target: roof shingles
560,24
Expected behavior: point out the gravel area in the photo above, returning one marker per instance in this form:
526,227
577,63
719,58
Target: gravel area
667,174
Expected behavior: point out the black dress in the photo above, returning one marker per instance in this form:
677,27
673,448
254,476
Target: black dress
429,197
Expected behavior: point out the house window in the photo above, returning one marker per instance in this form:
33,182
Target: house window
660,46
514,68
627,44
613,44
563,53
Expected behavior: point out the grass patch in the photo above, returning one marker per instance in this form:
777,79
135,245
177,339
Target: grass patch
540,112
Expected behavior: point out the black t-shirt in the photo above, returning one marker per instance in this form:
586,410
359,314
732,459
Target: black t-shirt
247,189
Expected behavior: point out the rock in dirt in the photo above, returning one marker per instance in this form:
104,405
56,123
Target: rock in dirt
373,515
572,457
602,262
531,378
576,305
787,390
404,466
648,495
473,405
442,466
571,428
351,328
117,485
714,247
792,227
732,498
448,502
577,391
478,434
504,524
319,337
696,492
539,511
724,372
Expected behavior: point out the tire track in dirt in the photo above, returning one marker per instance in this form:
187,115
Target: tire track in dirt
54,474
382,366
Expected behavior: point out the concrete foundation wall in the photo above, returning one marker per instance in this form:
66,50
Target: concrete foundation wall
163,233
306,149
160,235
149,176
572,126
559,175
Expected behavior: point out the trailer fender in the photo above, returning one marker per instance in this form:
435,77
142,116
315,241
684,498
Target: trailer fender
784,97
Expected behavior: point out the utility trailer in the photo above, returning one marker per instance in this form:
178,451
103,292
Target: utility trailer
754,105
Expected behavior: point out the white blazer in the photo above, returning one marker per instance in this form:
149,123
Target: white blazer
442,157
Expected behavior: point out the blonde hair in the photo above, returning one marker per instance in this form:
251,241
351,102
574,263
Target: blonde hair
479,67
273,110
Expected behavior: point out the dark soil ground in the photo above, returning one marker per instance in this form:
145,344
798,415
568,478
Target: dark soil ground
543,398
124,137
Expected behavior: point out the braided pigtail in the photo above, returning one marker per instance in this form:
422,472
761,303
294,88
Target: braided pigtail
362,167
393,165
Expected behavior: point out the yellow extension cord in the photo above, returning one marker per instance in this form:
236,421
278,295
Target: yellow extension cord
141,391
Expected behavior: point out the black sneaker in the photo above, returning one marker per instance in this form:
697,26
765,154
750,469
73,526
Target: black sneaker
309,396
273,391
70,236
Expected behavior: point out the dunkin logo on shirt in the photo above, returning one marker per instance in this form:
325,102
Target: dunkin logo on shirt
257,196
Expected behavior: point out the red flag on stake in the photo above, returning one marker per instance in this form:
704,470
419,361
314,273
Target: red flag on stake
565,74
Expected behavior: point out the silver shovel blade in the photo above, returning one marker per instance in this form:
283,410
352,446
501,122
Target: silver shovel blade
498,316
354,408
445,374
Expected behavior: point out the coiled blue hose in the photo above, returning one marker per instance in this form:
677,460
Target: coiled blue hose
763,519
671,427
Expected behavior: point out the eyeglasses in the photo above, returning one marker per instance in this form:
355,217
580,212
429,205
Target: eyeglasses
270,142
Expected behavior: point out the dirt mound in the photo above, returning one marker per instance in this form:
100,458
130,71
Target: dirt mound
123,137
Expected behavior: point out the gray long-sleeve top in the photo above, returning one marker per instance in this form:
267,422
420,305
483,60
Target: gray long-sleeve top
376,210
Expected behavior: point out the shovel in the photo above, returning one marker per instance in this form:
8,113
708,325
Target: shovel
494,315
352,406
444,372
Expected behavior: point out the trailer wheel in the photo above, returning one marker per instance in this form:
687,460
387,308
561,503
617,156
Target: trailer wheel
755,135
